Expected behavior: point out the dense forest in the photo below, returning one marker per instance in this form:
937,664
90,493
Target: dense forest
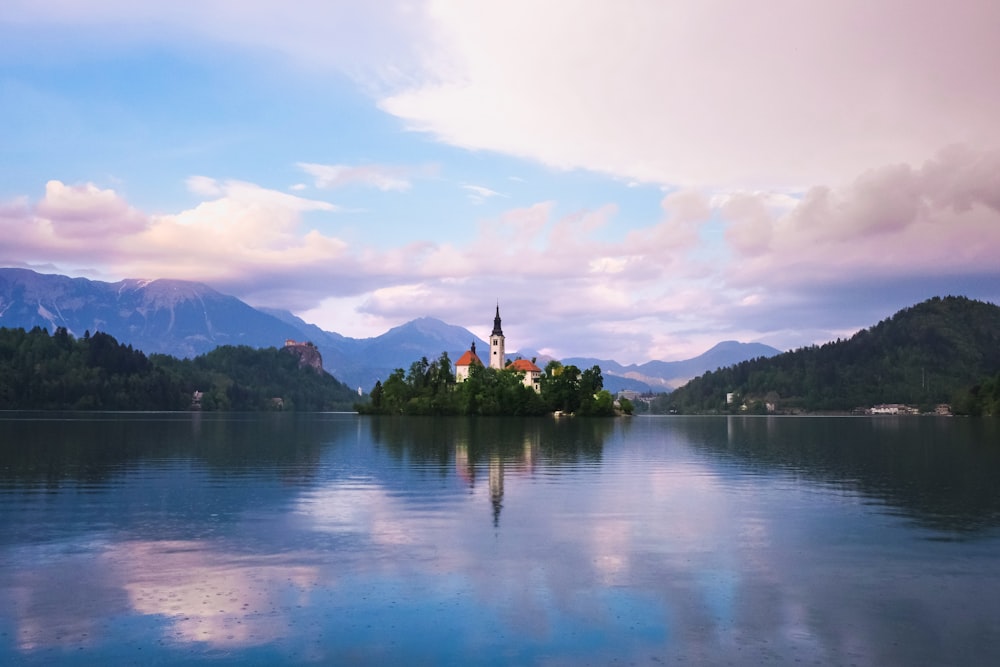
429,388
39,371
982,399
944,350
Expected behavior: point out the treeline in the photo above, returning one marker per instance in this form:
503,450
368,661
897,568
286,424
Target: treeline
980,400
930,353
39,371
429,388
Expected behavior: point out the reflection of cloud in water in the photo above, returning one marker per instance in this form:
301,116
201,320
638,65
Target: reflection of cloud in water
221,599
610,544
361,509
45,616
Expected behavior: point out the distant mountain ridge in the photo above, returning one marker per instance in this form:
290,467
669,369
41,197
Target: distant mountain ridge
934,352
185,319
168,316
668,375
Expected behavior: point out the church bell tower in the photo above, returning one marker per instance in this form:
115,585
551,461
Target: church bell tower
497,356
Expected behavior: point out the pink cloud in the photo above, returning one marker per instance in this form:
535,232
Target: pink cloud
86,211
942,218
245,230
670,239
725,93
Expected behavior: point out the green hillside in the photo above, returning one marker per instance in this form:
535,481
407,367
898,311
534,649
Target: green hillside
944,350
60,372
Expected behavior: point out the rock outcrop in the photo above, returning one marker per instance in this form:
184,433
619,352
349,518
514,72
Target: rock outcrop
307,353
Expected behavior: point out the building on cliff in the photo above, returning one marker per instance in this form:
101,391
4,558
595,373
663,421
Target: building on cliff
307,353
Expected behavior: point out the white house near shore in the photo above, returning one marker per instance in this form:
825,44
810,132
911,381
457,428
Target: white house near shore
532,373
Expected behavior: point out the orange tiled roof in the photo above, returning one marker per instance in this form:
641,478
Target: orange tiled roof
524,365
468,359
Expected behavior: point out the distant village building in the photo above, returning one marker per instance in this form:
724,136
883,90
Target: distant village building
498,359
893,409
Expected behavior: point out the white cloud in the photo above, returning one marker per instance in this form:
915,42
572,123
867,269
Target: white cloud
727,93
724,93
478,193
329,176
204,186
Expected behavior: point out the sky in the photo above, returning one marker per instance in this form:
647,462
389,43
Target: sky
628,180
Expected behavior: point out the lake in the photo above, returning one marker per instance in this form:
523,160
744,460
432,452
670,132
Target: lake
170,539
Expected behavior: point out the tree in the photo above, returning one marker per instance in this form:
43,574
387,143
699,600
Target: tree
590,385
376,395
561,387
395,393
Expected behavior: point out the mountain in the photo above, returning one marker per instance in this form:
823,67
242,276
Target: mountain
933,352
185,319
400,346
663,376
360,362
174,317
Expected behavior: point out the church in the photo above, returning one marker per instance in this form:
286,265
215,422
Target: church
498,359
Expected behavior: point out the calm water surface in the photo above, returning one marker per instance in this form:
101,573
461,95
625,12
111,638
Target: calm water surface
336,539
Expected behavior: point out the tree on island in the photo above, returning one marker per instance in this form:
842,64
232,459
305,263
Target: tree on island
429,388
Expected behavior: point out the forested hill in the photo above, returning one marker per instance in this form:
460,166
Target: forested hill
96,372
938,351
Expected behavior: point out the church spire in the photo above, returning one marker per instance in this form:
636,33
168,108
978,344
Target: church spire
498,358
497,331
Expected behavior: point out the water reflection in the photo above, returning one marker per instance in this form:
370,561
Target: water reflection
342,539
506,445
209,596
199,592
566,441
49,449
940,472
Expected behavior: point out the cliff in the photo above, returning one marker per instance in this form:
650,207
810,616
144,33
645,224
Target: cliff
307,353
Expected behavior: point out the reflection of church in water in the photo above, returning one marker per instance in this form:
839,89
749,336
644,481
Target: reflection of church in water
520,463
